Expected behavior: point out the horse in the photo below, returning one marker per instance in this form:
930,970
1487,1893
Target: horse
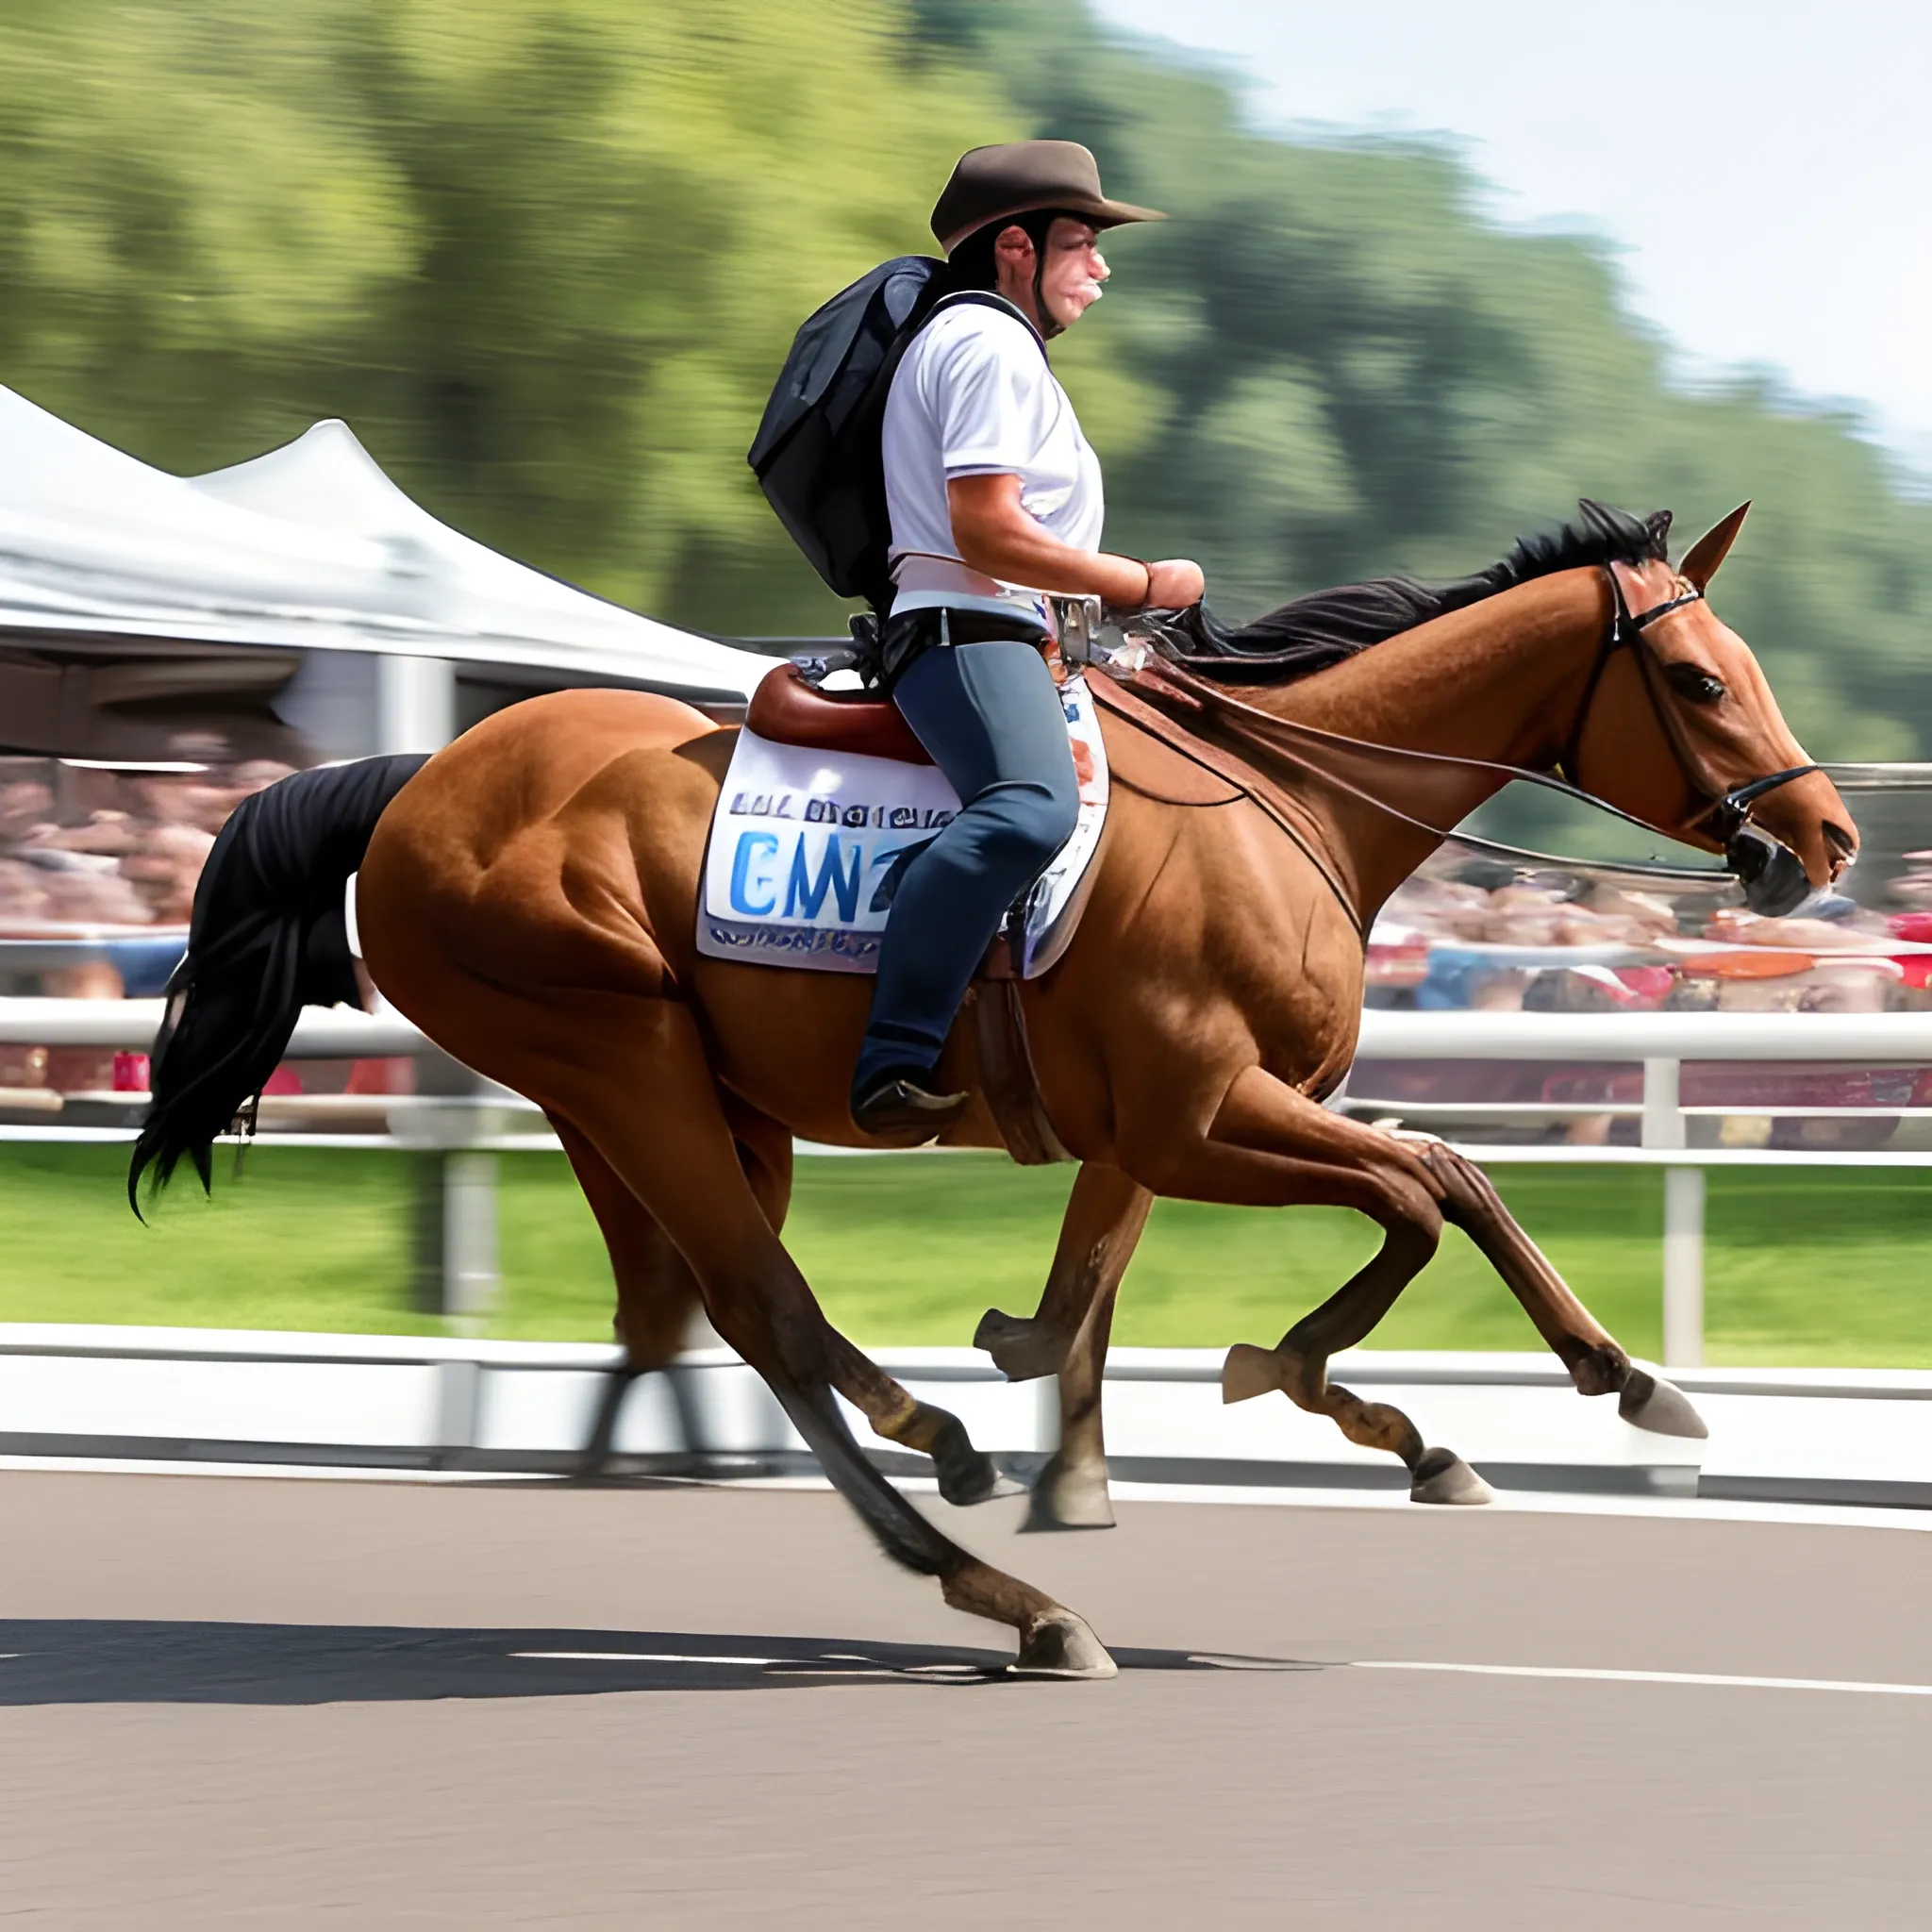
528,895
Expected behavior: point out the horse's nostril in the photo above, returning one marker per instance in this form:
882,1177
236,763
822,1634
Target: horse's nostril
1843,843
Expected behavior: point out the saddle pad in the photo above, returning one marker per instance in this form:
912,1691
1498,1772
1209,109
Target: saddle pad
808,847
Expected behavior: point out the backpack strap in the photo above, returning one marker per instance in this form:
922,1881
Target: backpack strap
879,595
977,298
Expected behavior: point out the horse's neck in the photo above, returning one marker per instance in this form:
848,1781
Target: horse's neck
1502,680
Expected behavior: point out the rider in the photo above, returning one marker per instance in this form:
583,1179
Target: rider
994,498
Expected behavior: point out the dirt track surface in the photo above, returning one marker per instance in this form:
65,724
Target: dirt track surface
273,1702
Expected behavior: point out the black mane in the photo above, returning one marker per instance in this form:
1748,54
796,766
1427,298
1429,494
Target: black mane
1323,628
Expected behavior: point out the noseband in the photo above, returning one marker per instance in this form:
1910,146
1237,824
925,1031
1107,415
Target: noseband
1772,873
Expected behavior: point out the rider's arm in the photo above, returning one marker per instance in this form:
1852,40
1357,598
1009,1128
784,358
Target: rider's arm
996,535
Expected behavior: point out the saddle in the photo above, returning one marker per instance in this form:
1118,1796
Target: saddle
785,710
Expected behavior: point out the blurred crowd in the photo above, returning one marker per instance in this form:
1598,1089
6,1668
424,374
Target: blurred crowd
1477,933
98,869
1473,933
88,848
97,874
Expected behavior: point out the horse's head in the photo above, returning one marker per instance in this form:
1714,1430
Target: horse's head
1679,727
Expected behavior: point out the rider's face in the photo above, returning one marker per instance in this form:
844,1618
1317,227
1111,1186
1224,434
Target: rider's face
1075,270
1069,281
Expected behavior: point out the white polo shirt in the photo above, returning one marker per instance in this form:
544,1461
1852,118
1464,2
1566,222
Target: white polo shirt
974,397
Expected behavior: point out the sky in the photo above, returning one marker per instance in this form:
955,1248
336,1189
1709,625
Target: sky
1764,170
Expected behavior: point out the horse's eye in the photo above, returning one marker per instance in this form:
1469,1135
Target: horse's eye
1691,681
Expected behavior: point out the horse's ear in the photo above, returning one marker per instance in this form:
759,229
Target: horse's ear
1700,564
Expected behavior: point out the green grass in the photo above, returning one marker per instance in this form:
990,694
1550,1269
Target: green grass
1825,1267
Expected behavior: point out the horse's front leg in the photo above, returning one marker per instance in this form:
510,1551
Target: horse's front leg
1597,1364
1067,1336
1268,1145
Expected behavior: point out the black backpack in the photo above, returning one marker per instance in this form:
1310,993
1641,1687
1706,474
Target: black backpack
817,452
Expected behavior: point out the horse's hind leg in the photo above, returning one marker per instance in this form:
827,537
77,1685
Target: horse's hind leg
1597,1365
675,1153
657,1292
1068,1336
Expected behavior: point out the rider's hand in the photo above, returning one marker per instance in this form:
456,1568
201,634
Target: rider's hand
1175,583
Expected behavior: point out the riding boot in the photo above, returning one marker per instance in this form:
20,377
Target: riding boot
896,1109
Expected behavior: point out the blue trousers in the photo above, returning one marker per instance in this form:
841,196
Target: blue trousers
991,719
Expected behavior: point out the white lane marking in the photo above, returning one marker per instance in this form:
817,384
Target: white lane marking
819,1671
789,1667
1851,1685
638,1657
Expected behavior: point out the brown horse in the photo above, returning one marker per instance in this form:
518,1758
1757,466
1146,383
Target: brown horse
528,899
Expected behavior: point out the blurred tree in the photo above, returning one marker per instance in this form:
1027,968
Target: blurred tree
1331,365
195,215
545,255
626,210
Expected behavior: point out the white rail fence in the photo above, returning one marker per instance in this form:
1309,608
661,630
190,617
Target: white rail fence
419,1403
458,1131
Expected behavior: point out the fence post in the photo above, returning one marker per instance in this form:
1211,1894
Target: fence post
1684,1267
454,1190
469,1234
1682,1256
1663,1125
415,703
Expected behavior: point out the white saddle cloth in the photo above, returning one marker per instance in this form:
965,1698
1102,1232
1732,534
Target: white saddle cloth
800,867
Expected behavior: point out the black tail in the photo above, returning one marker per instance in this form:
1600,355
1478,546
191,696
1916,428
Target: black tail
268,938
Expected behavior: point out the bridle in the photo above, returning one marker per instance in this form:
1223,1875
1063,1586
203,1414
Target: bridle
1772,874
1769,869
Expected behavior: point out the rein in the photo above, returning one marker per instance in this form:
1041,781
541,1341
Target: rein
1750,854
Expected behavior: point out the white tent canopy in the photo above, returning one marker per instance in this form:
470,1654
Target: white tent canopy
309,545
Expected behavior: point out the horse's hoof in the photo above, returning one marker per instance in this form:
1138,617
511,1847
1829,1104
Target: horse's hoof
1022,1350
1062,1646
983,1482
1648,1402
1249,1372
1066,1498
968,1475
1443,1476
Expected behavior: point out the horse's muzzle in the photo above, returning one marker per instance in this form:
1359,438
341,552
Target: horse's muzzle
1772,874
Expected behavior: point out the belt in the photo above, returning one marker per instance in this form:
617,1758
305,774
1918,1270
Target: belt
907,635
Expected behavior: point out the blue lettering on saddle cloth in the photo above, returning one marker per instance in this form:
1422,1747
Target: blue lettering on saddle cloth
809,845
803,897
751,848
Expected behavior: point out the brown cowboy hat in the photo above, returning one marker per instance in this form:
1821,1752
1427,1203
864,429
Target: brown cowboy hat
1016,178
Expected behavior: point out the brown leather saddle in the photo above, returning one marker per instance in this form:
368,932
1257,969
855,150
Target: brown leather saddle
785,710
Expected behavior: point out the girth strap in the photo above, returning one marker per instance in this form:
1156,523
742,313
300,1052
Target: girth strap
1007,1077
